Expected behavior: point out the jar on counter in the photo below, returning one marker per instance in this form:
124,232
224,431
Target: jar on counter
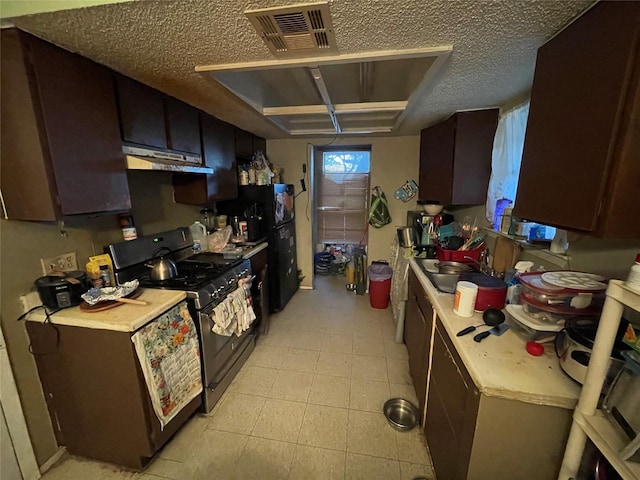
243,176
129,231
252,175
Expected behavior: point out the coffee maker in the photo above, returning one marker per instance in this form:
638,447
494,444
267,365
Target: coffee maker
425,229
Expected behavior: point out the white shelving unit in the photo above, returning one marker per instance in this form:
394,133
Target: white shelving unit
588,420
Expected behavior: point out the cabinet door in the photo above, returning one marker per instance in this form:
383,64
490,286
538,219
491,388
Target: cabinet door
417,336
218,143
183,127
244,144
436,162
142,119
260,144
81,156
475,132
455,158
452,407
581,104
218,151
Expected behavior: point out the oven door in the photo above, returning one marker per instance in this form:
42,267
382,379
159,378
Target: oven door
222,357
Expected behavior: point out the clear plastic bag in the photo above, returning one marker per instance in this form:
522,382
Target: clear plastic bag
218,239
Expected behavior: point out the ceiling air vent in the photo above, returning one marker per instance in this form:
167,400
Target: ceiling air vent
295,31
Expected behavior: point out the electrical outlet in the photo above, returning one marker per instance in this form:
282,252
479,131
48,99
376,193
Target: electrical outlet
29,300
62,263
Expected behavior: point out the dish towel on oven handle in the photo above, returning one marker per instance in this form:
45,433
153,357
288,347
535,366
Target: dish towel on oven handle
169,356
235,313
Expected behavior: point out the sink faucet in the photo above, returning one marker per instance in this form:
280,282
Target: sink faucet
482,264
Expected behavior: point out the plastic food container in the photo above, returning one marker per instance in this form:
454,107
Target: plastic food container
529,328
552,315
534,287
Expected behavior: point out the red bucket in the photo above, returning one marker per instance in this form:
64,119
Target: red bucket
379,293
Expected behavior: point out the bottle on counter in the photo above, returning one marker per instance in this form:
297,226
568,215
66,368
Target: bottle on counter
199,236
235,224
129,231
105,275
633,280
93,270
513,285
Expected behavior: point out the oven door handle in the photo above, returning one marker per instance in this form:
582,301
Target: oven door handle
213,385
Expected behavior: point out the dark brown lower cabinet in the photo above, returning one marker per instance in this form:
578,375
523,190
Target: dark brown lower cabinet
417,336
475,436
97,396
452,407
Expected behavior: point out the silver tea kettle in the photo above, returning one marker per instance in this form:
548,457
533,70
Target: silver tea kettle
162,268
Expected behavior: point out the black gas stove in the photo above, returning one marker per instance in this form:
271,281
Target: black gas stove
203,281
205,277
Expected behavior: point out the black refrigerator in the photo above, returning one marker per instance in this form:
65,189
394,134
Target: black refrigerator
274,204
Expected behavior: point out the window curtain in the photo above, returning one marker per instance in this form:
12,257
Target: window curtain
505,161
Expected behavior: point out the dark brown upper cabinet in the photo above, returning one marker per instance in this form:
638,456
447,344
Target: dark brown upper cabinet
150,118
219,154
455,158
244,144
247,144
260,144
183,126
142,118
581,161
61,148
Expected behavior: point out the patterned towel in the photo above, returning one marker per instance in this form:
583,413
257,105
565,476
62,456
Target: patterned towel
235,313
169,355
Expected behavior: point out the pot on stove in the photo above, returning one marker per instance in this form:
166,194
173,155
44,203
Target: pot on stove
162,268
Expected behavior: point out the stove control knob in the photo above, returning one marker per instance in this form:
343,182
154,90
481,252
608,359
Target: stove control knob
245,272
232,281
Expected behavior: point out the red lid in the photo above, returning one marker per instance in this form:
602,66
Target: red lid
638,258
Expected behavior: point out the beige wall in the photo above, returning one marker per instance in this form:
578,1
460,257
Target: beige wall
394,160
24,243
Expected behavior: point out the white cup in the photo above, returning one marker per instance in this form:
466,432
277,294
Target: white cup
465,298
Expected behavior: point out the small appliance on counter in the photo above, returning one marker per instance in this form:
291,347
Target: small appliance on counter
63,290
425,231
574,346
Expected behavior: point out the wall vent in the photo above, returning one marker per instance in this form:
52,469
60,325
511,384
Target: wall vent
295,31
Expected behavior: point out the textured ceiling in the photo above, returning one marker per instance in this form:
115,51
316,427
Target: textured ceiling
160,43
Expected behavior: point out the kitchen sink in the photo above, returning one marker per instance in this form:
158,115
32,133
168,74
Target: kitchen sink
444,282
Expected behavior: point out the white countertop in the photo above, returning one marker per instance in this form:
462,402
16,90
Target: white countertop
501,366
123,318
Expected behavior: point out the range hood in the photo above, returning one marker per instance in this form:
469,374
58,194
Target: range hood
139,158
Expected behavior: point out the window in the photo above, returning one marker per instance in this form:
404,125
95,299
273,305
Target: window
342,191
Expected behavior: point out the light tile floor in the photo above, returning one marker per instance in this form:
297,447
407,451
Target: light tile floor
306,405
